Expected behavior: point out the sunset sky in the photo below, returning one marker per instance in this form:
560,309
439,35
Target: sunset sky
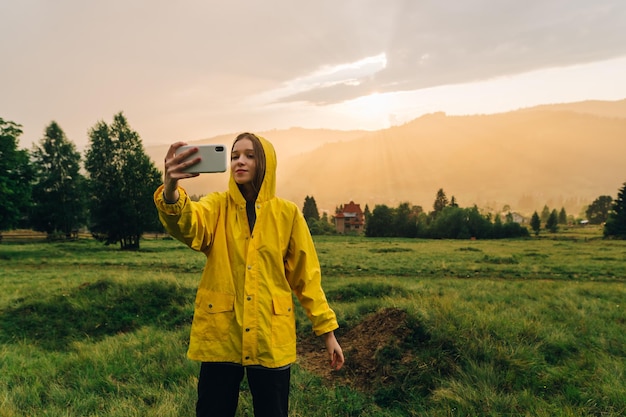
193,69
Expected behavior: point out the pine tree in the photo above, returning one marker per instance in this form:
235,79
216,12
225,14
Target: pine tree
59,192
553,221
562,216
15,177
309,210
616,223
122,182
441,202
535,223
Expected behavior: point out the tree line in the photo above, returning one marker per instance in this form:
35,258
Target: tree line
449,221
45,189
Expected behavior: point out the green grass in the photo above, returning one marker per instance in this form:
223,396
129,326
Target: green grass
531,327
579,257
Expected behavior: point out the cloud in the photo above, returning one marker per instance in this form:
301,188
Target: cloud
441,42
328,77
179,68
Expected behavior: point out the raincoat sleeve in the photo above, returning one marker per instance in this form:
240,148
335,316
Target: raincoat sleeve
304,275
190,222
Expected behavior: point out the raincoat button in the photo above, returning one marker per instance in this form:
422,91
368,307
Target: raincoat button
249,298
210,305
248,329
247,357
258,206
249,267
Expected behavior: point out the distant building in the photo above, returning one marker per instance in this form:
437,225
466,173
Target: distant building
350,220
515,217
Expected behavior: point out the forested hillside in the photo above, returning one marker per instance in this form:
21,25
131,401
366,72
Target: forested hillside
560,155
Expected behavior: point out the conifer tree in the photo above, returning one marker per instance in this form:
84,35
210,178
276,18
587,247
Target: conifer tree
15,177
59,192
616,223
553,221
562,216
535,223
309,210
122,182
441,202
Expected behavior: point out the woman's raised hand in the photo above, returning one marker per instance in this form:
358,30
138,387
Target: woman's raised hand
174,167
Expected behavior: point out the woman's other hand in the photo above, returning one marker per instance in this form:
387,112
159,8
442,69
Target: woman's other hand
334,351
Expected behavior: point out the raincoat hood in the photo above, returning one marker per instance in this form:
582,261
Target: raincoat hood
268,186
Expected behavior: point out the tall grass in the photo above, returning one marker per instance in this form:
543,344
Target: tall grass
531,327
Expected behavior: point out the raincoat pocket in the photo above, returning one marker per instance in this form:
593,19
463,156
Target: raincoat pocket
283,321
214,314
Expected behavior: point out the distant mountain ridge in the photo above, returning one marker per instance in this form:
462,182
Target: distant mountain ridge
593,107
563,155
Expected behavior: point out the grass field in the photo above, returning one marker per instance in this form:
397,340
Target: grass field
531,327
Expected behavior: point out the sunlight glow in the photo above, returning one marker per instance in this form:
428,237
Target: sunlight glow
596,81
349,74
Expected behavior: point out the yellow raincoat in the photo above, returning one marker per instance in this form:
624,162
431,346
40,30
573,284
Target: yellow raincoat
244,310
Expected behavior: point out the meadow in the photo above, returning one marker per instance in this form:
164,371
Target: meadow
528,327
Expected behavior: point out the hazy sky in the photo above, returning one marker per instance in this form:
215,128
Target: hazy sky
189,70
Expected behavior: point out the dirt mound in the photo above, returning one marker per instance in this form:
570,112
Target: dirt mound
361,346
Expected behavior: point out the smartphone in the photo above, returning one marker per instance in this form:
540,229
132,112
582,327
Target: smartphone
213,158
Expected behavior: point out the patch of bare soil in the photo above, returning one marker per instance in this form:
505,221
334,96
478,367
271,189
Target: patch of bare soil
360,345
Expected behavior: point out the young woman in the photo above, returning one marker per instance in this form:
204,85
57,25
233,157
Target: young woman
259,251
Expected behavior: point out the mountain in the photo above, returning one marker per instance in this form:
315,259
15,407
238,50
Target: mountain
563,155
594,107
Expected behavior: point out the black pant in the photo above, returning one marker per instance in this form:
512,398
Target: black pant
218,390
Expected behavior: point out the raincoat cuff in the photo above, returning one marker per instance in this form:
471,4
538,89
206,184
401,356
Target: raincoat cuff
170,209
328,328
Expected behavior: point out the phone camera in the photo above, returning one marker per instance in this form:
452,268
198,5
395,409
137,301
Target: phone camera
219,149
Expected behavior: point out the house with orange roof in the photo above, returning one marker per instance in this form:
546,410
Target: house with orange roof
350,219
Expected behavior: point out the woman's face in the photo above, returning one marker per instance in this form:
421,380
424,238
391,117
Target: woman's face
243,162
